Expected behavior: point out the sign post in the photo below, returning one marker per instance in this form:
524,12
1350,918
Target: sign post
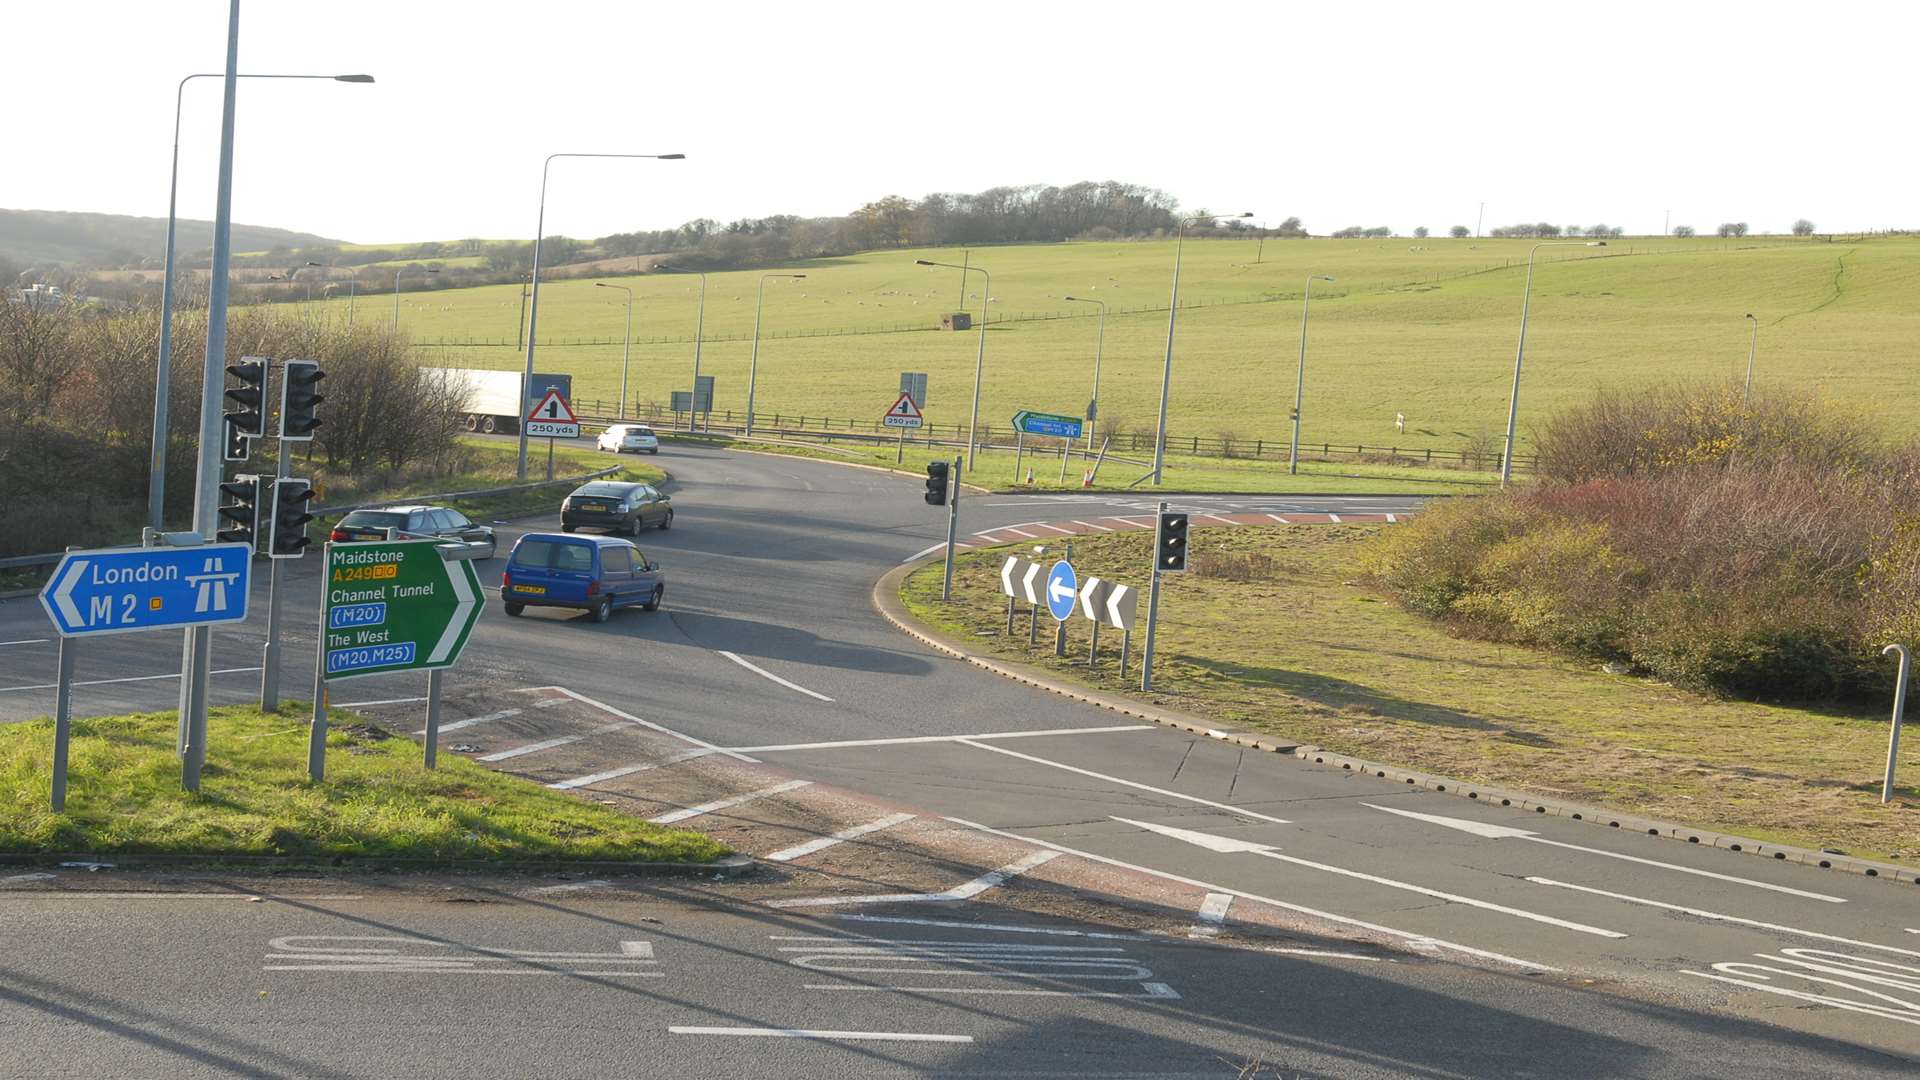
1063,588
904,414
1153,608
552,418
388,606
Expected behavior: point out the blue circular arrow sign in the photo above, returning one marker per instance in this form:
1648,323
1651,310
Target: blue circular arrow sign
1062,588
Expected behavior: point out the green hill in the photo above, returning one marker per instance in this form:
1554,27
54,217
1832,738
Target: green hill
39,237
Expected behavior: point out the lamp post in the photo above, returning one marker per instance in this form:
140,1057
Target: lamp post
753,366
980,359
699,332
626,353
1526,298
1300,376
1173,311
396,289
294,275
533,278
1753,346
1099,344
157,476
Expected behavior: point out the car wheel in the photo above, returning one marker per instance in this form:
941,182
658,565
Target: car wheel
654,603
603,610
633,529
666,522
515,609
655,450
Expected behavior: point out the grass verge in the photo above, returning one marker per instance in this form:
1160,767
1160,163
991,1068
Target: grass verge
1302,652
124,798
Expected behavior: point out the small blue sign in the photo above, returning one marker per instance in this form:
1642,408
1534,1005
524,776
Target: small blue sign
370,656
125,590
1062,588
349,616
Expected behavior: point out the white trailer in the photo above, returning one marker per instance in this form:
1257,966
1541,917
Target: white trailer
493,401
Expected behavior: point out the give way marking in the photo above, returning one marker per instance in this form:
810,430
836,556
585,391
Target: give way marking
398,955
943,966
1857,975
764,673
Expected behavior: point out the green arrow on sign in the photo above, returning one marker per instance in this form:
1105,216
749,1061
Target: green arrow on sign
395,606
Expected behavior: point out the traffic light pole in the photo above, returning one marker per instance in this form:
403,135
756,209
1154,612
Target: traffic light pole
270,657
953,528
1153,610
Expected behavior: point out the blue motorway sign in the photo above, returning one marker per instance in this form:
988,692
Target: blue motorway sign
1063,588
1050,424
124,590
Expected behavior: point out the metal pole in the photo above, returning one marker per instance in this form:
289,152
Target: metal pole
1065,445
1093,649
1520,353
1153,610
1019,448
900,455
163,376
1753,347
699,332
433,715
1126,643
353,291
63,721
953,527
1893,740
206,495
317,730
626,356
270,658
966,260
1166,371
979,361
1099,346
1300,376
753,366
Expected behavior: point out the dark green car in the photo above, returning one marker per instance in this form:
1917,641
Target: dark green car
617,507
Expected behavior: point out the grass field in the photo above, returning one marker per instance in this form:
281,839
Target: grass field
1304,652
1422,327
379,801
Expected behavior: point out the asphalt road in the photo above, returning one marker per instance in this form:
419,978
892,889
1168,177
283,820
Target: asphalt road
1576,950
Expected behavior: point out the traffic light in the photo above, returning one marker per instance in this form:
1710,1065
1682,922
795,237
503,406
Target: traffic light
250,396
937,483
287,523
1170,542
239,447
239,511
297,399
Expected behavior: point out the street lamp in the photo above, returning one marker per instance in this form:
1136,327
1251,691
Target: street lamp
979,360
1526,298
157,475
533,278
699,331
626,355
1173,311
1099,343
753,366
1753,346
294,275
1300,376
396,289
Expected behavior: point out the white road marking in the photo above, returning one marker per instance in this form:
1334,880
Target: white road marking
1003,928
1017,532
27,641
382,701
1911,930
1423,940
548,744
1335,518
632,719
1391,519
103,894
764,673
905,739
821,1033
841,837
129,679
1326,953
21,879
1496,832
1055,528
1128,783
928,551
1091,525
1279,519
627,770
572,886
1717,917
959,892
1211,916
731,801
296,954
1218,518
1153,990
1859,969
472,720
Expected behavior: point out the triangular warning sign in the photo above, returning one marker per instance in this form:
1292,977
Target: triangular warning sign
905,407
553,409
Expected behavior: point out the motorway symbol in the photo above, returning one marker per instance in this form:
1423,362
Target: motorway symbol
553,418
396,606
125,590
1062,588
904,414
1038,423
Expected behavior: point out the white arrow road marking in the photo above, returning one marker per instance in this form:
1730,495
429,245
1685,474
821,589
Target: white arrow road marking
465,600
722,804
63,595
1027,583
1241,811
1423,941
1502,832
1228,844
1717,917
959,892
823,843
1851,971
821,1033
764,673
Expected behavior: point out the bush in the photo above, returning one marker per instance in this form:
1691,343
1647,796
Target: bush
1232,566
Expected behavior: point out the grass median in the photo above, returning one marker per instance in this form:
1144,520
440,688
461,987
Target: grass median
1284,640
378,802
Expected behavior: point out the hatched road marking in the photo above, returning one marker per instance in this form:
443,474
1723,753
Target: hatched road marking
1129,783
959,892
722,804
841,837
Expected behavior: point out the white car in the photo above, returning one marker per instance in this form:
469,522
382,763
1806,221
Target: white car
621,438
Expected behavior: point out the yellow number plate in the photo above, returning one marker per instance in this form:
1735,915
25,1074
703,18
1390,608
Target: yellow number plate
536,590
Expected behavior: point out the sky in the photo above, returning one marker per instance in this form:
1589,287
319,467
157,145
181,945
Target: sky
1346,113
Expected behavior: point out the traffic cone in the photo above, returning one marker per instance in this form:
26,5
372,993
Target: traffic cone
1029,477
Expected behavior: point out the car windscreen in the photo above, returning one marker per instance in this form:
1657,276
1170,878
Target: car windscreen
375,519
603,491
552,555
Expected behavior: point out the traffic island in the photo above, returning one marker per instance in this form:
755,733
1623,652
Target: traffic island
1270,640
379,807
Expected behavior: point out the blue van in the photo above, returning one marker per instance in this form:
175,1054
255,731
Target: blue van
597,573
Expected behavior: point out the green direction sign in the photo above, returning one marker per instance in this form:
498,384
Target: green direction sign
395,606
1029,422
